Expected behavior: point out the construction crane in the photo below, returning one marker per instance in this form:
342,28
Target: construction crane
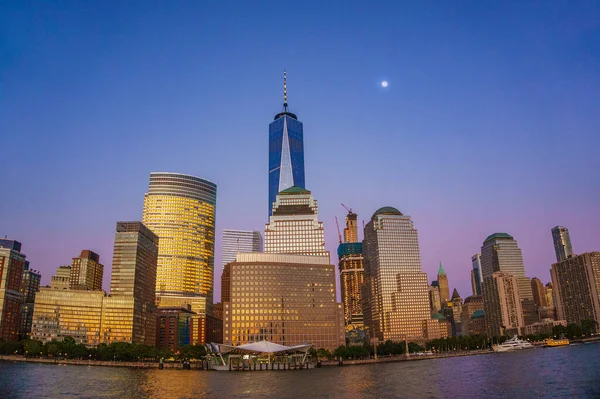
338,227
348,209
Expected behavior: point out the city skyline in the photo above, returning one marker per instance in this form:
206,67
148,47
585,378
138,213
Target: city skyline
61,209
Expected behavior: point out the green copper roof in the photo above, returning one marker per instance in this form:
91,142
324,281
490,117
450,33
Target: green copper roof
498,235
294,190
387,210
478,314
437,316
441,271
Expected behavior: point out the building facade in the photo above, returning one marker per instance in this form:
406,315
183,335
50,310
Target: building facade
205,329
282,298
180,210
443,285
12,263
61,280
471,305
396,292
476,274
539,293
30,285
502,305
434,299
86,272
562,243
576,287
294,226
173,328
286,151
239,241
351,268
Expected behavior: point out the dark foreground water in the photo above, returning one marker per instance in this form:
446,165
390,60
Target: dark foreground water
568,372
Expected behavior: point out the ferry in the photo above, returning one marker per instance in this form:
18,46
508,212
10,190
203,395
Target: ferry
512,344
557,342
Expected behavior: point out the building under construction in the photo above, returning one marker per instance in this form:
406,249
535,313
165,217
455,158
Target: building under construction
351,269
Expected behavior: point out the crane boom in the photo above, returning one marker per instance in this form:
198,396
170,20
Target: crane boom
338,228
348,209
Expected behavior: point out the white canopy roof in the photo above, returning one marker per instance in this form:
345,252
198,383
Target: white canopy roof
264,347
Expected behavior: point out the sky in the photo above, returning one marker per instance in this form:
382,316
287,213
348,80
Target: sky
490,122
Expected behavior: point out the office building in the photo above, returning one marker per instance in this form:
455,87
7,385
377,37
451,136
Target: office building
539,293
543,327
469,325
30,285
443,285
434,299
283,298
12,263
86,272
61,280
562,243
476,275
205,329
239,241
180,210
286,151
350,255
502,304
294,226
173,328
351,229
396,292
576,288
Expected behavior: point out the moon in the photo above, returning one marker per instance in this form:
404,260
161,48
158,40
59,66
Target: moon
384,84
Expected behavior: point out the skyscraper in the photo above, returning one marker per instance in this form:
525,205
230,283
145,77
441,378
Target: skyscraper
502,304
12,262
86,272
294,226
351,267
351,229
562,243
477,275
239,241
286,151
180,210
128,315
396,293
443,285
30,285
539,293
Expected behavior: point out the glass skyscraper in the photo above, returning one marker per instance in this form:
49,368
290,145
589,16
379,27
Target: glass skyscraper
286,151
236,241
562,243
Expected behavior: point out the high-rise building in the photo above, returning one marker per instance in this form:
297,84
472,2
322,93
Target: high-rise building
434,299
351,229
443,285
350,255
61,280
12,262
548,292
502,304
239,241
30,285
286,151
294,226
86,272
477,277
283,298
396,292
468,324
128,315
539,293
576,288
180,210
562,243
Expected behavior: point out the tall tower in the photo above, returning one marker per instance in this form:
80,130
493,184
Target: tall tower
180,210
286,151
12,262
396,293
30,285
477,276
351,229
443,284
562,243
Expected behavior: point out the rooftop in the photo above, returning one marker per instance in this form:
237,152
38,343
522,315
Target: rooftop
498,235
478,314
387,210
294,190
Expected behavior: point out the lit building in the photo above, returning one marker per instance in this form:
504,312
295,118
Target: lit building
286,151
61,280
443,285
576,288
283,298
437,327
294,226
549,296
352,272
562,243
68,313
180,210
86,272
239,241
30,285
396,292
129,313
502,305
476,276
472,304
12,262
173,328
434,299
351,229
205,329
539,293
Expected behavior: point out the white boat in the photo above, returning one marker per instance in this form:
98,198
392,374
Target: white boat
512,344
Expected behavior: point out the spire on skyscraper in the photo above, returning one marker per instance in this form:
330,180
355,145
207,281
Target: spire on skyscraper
441,271
284,90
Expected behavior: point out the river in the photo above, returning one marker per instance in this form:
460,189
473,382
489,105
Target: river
567,372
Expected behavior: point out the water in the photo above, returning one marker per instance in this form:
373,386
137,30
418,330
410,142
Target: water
567,372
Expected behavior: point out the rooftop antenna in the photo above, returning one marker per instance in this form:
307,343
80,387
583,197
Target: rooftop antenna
284,90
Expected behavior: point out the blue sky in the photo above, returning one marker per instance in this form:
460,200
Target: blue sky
490,121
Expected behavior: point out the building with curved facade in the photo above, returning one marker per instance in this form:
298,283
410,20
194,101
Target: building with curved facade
180,210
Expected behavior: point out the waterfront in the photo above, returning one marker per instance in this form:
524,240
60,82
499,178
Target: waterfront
572,371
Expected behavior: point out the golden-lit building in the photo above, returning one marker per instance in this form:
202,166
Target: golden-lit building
352,275
205,329
502,305
61,280
68,313
12,263
282,298
86,272
396,292
180,209
351,229
539,293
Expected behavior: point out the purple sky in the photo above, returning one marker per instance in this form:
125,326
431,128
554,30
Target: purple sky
490,123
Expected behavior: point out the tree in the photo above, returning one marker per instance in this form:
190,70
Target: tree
323,353
573,330
340,352
589,327
33,347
